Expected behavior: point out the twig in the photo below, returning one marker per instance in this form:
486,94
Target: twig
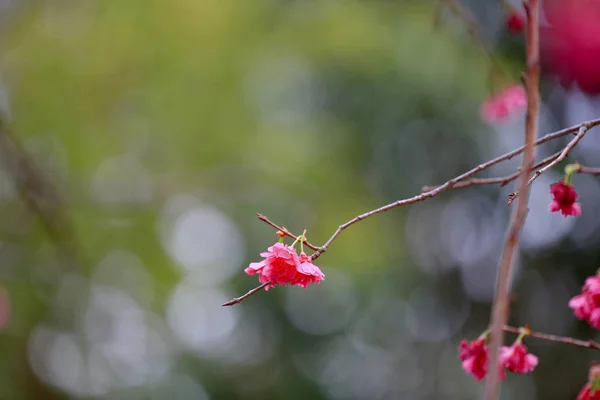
588,344
243,297
39,194
565,152
588,170
453,183
502,181
284,230
467,19
500,309
449,184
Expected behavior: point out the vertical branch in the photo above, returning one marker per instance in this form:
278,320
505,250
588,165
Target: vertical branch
40,196
500,307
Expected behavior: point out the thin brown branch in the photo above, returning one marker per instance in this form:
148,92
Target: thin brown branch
423,196
500,309
448,185
243,297
564,153
502,181
451,183
39,194
588,170
588,344
284,230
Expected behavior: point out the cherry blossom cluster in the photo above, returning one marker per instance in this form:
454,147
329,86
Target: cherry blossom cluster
475,357
283,266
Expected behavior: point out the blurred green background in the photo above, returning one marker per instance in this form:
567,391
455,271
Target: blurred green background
164,126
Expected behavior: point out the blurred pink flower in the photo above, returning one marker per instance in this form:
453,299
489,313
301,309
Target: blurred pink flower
586,306
515,21
517,359
282,266
474,357
564,199
592,286
5,308
570,44
504,104
582,306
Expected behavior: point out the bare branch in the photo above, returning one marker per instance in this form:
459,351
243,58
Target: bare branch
285,231
451,183
565,152
588,170
457,182
39,194
502,181
500,309
245,296
588,344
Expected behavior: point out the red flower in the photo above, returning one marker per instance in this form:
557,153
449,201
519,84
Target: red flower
587,393
282,266
504,104
570,45
565,197
474,356
517,359
515,21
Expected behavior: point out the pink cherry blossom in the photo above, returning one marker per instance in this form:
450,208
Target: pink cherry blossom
582,306
308,272
594,318
517,359
586,306
474,357
592,286
564,199
283,266
504,104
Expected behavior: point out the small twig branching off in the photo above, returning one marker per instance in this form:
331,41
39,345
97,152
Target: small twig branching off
563,154
588,344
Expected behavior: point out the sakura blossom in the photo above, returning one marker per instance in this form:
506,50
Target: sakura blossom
503,105
283,266
564,199
517,359
586,306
